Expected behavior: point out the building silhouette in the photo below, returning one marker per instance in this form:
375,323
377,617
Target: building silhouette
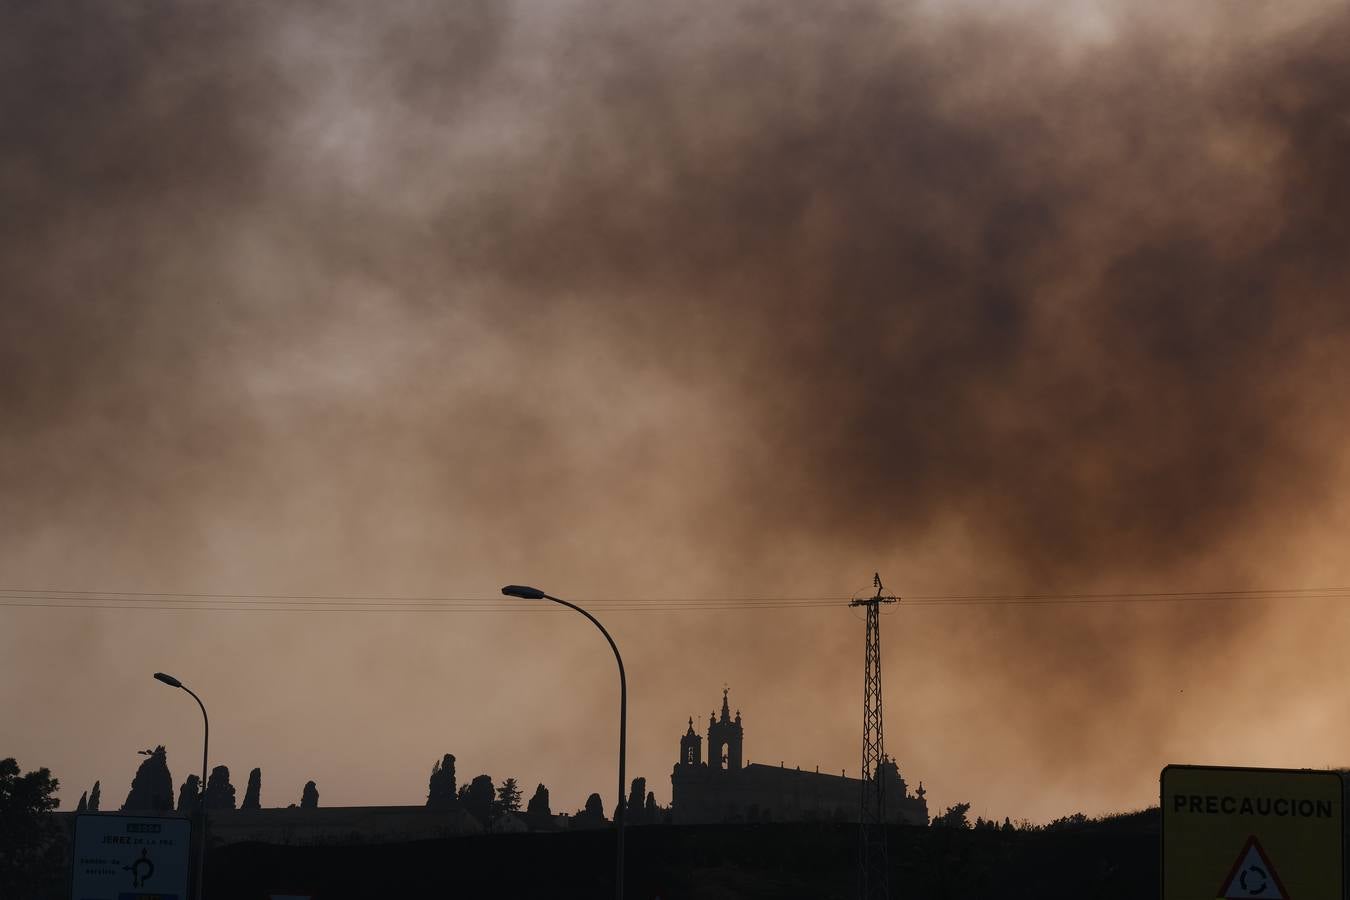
723,789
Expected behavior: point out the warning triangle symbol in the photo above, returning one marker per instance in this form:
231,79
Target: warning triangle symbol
1253,877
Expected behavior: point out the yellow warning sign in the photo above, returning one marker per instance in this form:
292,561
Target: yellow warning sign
1260,834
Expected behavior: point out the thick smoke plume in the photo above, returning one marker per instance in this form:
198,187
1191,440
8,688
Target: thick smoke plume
694,301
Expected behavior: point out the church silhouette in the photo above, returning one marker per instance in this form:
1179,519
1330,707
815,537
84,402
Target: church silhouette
723,789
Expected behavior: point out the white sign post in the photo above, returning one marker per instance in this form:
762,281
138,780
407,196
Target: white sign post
130,858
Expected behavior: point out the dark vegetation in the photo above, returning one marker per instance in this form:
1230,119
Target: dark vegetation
538,815
32,845
253,793
188,794
508,797
441,787
954,859
152,791
488,803
219,791
592,814
1071,859
152,787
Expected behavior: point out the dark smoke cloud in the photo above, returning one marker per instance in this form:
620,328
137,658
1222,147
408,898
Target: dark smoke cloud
327,297
1074,308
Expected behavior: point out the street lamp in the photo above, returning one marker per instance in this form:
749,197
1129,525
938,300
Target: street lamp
530,593
201,798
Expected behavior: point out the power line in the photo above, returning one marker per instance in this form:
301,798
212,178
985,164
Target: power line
1272,593
18,597
377,603
51,598
56,603
383,598
909,598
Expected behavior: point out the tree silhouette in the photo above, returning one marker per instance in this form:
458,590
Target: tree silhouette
636,794
593,815
1072,821
253,793
537,812
30,852
651,814
441,793
83,805
309,799
189,794
152,788
954,817
479,798
219,791
95,796
508,797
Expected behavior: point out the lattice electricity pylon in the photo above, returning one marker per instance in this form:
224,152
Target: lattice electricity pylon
873,881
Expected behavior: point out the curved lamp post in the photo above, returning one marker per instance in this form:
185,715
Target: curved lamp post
530,593
201,797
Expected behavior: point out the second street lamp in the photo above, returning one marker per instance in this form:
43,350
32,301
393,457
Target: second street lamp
201,796
531,593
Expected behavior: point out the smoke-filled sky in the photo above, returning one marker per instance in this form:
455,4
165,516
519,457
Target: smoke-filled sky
695,300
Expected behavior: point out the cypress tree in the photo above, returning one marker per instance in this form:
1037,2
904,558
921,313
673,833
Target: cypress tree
189,794
219,791
441,791
152,788
636,795
537,811
480,799
593,815
253,793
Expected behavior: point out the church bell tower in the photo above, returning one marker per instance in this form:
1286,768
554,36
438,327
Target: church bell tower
691,746
725,738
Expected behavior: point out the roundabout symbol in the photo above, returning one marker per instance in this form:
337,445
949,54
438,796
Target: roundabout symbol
1260,880
137,879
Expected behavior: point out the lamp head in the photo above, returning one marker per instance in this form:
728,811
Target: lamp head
523,592
168,679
